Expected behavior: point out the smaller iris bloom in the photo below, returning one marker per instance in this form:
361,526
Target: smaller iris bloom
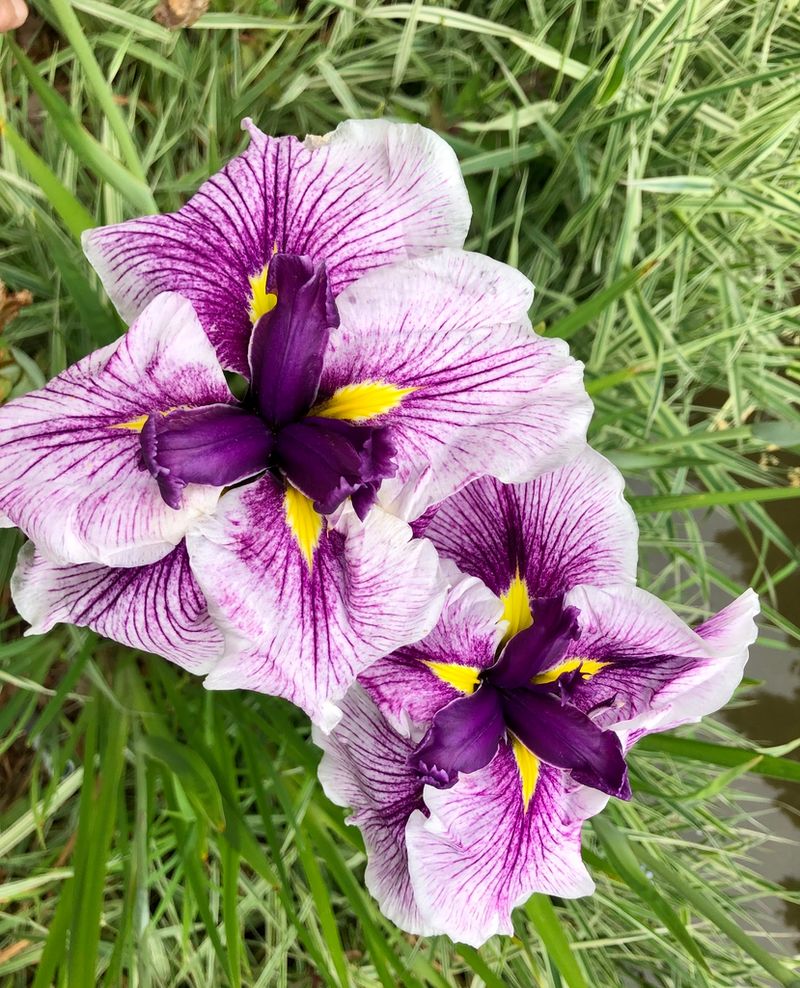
418,378
364,196
472,759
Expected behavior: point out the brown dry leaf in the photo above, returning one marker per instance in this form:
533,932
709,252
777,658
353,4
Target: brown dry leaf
13,949
180,13
11,303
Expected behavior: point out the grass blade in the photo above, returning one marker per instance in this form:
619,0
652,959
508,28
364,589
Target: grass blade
545,919
98,85
648,503
566,327
769,766
90,151
74,216
620,853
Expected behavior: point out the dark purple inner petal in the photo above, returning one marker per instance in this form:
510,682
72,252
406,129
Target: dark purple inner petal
567,738
463,737
328,460
288,343
539,647
216,444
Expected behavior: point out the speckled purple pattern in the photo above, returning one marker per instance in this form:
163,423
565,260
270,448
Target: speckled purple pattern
364,196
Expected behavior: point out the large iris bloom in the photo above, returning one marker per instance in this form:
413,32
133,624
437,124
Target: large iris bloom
416,379
472,759
367,195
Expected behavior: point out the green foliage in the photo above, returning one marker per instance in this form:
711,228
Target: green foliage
639,161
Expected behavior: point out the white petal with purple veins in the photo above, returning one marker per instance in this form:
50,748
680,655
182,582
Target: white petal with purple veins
365,767
416,681
649,671
303,624
483,393
570,526
158,608
71,474
481,852
366,195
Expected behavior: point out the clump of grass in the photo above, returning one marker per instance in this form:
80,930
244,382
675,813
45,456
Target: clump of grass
639,162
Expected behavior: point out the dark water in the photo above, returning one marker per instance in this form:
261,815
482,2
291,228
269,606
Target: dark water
772,716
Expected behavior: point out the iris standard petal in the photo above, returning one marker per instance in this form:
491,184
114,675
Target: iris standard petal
564,737
217,445
70,455
365,766
157,608
568,527
478,391
305,609
539,647
288,343
463,737
328,460
480,851
364,196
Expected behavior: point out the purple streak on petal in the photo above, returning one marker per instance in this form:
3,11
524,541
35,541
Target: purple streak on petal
158,608
539,647
565,737
463,737
328,460
288,343
217,445
571,526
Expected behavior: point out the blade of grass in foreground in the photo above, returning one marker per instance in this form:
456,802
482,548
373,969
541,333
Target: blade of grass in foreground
770,766
706,906
89,150
620,854
546,922
96,81
98,815
75,218
646,503
566,327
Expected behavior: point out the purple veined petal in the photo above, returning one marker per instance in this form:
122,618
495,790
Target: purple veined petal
569,527
304,625
481,852
563,736
362,197
463,737
539,647
484,394
418,680
71,475
217,445
329,460
157,608
365,767
656,672
288,343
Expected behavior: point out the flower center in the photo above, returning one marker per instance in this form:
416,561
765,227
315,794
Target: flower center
518,700
281,425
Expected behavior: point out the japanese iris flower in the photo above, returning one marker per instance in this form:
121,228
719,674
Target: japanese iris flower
367,195
472,759
422,376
